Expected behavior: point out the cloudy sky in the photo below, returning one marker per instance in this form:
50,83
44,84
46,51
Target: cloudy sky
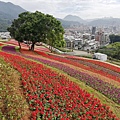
86,9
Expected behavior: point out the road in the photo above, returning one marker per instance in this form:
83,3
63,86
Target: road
78,52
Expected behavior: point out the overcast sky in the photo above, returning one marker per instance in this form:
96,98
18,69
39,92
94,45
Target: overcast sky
86,9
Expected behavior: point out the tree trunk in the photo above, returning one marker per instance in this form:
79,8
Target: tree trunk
32,46
50,48
28,45
19,44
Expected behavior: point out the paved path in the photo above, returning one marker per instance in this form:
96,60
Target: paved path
78,52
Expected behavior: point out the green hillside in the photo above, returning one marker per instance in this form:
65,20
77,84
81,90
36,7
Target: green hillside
8,12
112,50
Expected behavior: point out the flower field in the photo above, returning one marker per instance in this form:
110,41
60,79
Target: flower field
51,95
107,89
99,63
90,66
1,45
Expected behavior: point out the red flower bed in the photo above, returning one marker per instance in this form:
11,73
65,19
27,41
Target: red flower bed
14,42
42,48
1,44
100,63
27,52
65,60
53,96
42,53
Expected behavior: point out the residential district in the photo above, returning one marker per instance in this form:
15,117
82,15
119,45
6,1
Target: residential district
89,38
85,38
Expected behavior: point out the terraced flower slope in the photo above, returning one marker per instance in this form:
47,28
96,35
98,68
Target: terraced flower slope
53,96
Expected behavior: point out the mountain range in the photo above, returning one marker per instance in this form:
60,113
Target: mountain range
9,12
106,21
74,18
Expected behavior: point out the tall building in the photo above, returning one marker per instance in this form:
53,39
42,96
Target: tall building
102,37
93,30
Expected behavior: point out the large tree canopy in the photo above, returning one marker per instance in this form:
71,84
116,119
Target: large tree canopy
37,27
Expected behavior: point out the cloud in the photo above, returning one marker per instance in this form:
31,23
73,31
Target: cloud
83,8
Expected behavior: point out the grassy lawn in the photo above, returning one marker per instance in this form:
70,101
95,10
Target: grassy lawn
114,62
3,40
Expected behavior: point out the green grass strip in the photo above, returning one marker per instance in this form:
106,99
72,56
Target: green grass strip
13,105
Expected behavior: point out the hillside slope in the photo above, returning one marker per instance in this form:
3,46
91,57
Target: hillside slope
8,12
50,80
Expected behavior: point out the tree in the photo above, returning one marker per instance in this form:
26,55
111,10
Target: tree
53,31
112,50
37,27
15,32
114,38
116,47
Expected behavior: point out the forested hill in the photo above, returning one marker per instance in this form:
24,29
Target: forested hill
8,12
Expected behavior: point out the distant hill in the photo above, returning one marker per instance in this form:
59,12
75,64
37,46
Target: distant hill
74,18
8,12
67,24
105,22
71,20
